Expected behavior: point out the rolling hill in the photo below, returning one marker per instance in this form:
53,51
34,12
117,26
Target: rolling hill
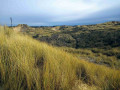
27,64
98,43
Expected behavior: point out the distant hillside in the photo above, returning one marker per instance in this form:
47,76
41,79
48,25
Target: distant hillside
22,28
101,42
85,36
26,64
111,23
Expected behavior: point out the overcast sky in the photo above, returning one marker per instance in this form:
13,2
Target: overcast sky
59,12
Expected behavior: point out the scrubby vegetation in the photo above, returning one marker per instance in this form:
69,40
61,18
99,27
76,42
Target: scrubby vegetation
87,36
96,43
107,57
26,64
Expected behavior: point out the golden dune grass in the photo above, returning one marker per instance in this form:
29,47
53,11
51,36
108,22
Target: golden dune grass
26,64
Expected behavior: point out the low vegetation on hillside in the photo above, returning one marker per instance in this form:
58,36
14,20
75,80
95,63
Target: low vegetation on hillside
96,43
27,64
107,57
86,36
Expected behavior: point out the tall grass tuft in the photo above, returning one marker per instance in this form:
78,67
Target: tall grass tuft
26,64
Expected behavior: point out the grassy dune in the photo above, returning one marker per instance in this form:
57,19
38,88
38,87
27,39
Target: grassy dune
26,64
107,57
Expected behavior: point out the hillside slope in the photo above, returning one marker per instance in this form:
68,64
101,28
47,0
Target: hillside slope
98,43
26,64
86,36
